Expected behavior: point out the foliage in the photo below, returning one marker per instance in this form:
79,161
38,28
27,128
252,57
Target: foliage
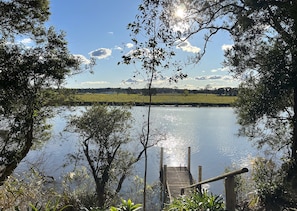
127,206
154,58
25,72
38,192
242,185
32,187
197,201
267,100
79,189
135,190
21,16
49,207
263,56
104,133
271,190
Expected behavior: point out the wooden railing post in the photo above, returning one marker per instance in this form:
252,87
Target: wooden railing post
161,163
230,193
164,182
189,159
162,195
199,178
229,186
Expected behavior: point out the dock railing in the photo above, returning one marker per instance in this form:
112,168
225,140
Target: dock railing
229,186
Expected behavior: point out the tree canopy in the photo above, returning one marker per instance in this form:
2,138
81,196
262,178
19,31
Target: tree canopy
25,73
263,56
105,145
155,56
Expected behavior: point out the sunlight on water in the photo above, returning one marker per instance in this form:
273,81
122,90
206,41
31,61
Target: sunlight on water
176,150
245,162
210,132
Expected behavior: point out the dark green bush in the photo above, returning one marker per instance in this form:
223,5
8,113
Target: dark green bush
197,201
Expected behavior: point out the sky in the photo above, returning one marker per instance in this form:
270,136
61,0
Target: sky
98,29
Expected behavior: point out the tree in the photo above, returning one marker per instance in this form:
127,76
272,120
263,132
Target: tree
25,73
105,139
264,56
265,52
155,57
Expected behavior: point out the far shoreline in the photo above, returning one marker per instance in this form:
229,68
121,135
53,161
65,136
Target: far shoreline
165,104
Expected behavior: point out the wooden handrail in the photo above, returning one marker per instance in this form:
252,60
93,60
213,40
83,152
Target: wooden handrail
229,186
223,176
168,191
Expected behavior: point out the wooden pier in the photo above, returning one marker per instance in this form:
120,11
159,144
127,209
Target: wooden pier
178,180
174,179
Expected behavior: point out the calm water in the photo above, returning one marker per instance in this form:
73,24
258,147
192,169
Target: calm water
210,132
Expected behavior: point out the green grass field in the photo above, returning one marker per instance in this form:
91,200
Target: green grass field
156,99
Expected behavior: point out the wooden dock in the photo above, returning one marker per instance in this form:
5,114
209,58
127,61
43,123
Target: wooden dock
177,181
174,178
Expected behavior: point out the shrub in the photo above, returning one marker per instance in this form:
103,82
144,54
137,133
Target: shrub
32,188
126,206
197,201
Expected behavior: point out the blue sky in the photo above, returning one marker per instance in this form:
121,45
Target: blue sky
98,28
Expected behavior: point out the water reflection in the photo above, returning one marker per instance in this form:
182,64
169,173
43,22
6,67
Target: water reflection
210,132
174,150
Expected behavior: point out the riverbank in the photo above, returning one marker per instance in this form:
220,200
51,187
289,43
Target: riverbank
193,100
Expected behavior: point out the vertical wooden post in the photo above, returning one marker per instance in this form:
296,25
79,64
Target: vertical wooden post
230,193
164,183
199,173
189,159
199,177
161,163
161,178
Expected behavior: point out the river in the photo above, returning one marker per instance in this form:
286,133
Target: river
209,131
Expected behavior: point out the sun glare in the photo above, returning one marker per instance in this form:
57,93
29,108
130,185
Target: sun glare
180,12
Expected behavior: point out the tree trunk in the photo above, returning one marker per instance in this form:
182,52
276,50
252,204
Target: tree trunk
19,155
101,187
100,194
294,136
292,173
291,179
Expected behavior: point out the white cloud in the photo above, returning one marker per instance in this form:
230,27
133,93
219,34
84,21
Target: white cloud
111,33
209,77
139,53
225,69
226,47
140,82
222,69
129,45
201,78
101,53
26,41
214,70
94,83
186,46
118,48
228,78
214,77
130,80
190,86
82,58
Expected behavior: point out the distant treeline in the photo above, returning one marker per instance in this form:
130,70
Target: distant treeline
226,91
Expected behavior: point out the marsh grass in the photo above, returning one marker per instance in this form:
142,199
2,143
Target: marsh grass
157,99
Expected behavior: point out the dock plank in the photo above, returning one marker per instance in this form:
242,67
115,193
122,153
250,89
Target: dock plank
177,177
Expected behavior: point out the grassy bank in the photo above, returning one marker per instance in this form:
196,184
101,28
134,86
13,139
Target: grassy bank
159,99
